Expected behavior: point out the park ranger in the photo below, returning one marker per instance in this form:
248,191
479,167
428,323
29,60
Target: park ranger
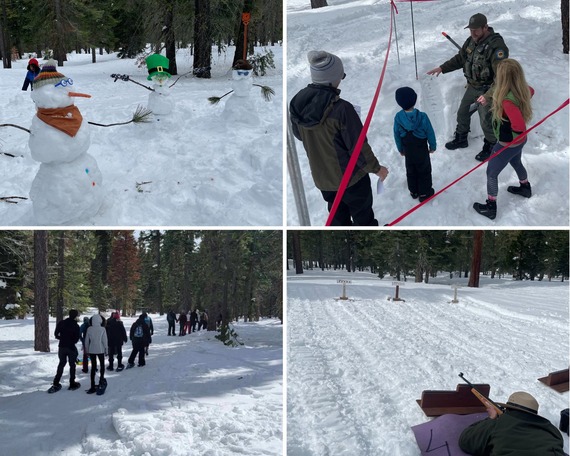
478,57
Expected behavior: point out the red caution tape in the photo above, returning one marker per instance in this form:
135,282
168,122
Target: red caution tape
360,142
522,135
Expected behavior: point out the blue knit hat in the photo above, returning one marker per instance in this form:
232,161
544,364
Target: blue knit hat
406,97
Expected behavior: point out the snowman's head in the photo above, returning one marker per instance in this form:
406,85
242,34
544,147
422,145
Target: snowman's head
242,69
160,78
52,89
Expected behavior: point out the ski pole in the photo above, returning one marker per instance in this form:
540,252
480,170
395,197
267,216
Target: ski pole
125,77
484,399
451,39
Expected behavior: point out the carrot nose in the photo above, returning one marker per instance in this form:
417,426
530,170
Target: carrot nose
77,94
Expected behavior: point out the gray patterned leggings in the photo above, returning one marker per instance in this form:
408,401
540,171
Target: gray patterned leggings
512,156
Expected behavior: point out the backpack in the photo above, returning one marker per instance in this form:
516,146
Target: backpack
139,331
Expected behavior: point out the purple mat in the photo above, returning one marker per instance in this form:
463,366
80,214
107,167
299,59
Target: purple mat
440,436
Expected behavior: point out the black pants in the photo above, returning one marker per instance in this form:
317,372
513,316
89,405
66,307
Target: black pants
182,328
138,349
355,208
116,349
171,329
94,357
66,355
85,367
418,164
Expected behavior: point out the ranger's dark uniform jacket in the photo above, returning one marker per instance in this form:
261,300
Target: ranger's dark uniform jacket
513,433
329,128
479,60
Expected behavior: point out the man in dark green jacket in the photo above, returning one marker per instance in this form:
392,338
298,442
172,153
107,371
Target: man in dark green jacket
519,431
478,57
329,128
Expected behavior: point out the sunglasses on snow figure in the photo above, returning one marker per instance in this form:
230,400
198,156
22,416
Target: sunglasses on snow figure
65,82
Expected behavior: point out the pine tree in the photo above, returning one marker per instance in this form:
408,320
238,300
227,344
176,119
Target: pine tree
125,271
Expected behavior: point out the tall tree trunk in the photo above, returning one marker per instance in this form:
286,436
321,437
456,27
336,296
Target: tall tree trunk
476,259
564,15
41,297
169,38
202,39
59,45
60,276
5,38
156,245
297,258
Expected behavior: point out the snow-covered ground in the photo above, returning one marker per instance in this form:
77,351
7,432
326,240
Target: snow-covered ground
356,367
194,396
189,168
358,31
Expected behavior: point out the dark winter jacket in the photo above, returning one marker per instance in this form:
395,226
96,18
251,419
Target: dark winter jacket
145,338
513,433
83,328
182,318
171,317
418,123
67,332
29,79
193,317
479,60
116,332
148,321
329,128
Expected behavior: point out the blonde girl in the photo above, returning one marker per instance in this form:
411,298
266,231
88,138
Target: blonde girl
511,111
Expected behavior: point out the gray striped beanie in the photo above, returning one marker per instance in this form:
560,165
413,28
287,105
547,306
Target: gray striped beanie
326,68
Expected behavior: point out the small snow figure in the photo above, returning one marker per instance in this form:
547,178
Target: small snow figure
159,101
239,107
68,184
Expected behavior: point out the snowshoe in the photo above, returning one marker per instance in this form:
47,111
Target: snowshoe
54,389
73,386
130,365
91,390
120,367
102,387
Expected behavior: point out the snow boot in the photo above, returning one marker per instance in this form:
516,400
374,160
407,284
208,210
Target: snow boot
54,388
522,190
92,390
489,209
485,152
425,197
130,365
414,195
459,142
74,385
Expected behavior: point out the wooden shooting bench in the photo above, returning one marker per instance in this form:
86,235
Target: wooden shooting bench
558,380
460,402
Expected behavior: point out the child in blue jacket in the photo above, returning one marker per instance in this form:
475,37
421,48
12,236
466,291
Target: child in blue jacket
413,134
33,70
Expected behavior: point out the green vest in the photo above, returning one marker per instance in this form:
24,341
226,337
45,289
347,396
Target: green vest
497,122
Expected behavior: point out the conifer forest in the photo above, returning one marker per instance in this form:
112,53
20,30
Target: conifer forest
234,273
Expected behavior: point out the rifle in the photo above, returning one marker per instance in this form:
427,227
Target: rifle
484,399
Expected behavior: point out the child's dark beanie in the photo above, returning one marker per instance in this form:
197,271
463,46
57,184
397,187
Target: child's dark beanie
406,97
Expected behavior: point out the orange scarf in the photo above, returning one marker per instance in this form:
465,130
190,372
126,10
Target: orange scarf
67,120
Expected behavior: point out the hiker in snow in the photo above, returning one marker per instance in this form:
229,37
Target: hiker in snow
219,321
148,322
116,335
171,319
67,332
194,319
204,319
182,319
413,133
97,346
478,57
83,331
140,337
520,430
188,328
329,128
511,109
33,70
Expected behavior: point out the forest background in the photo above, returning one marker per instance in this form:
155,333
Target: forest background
236,273
52,29
527,255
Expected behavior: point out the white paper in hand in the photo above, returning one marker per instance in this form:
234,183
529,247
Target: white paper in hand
379,186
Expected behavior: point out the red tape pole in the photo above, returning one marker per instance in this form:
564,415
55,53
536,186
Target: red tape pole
522,135
359,143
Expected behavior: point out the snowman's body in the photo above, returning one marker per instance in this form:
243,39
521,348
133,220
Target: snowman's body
239,107
160,102
67,187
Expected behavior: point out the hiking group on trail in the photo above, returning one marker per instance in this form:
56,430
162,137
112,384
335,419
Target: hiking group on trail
99,338
329,126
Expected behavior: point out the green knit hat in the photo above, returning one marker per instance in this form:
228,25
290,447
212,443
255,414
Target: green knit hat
48,75
157,64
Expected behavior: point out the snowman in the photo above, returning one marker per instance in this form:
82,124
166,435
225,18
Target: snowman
159,101
239,107
67,187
